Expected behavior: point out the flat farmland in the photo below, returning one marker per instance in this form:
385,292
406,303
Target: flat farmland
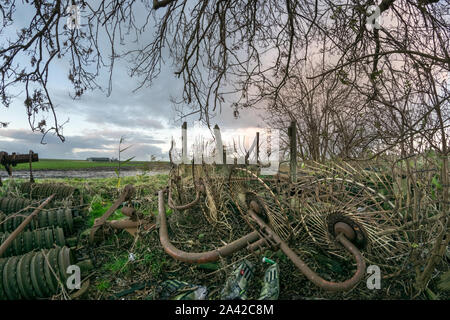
63,164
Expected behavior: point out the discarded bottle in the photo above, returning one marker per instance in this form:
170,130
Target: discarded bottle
267,260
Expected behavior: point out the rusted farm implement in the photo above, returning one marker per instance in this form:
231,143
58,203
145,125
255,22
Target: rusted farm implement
334,206
36,235
11,160
331,208
346,232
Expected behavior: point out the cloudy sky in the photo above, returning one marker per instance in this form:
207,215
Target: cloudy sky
96,122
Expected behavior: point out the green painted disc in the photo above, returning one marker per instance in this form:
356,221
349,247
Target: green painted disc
49,277
23,277
69,219
49,240
43,218
60,217
10,279
18,244
27,241
37,275
3,295
59,237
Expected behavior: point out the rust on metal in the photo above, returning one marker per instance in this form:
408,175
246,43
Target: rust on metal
345,229
129,212
197,257
126,195
310,274
198,190
11,160
131,226
30,160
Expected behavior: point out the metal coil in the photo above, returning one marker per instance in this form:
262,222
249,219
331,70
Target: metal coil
13,205
35,274
43,190
62,218
27,241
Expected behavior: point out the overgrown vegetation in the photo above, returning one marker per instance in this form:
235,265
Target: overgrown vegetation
61,164
121,261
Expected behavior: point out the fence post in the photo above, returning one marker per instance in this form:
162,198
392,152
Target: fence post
184,159
224,155
292,132
219,145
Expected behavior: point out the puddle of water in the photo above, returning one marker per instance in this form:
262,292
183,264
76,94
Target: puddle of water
55,174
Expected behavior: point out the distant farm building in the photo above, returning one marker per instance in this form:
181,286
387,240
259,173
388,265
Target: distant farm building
99,159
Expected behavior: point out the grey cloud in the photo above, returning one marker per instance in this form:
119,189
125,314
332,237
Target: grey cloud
92,143
146,108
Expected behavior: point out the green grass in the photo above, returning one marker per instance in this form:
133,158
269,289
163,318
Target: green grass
99,207
118,264
103,285
60,164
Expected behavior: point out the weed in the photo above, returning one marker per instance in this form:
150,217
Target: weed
155,262
118,265
103,285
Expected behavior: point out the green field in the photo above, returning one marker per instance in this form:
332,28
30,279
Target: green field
60,164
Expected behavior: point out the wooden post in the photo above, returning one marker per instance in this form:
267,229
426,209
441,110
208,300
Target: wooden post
257,147
184,158
219,145
293,150
224,155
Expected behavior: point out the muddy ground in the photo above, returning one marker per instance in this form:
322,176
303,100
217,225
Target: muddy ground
79,173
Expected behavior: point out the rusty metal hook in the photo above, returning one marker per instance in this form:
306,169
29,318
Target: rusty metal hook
126,195
310,274
252,241
172,205
197,257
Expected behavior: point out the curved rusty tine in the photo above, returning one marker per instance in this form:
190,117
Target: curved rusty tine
184,206
197,257
311,275
126,195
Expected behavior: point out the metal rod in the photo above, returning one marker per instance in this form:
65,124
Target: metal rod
311,275
124,224
172,205
184,206
31,166
197,257
126,194
22,226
